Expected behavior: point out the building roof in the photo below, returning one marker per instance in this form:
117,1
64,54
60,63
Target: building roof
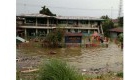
73,34
115,20
78,18
62,17
118,29
19,18
34,15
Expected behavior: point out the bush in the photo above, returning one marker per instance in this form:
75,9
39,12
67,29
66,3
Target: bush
55,37
120,74
58,70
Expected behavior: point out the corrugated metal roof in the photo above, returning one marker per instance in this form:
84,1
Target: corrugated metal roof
119,29
34,15
115,20
62,17
78,18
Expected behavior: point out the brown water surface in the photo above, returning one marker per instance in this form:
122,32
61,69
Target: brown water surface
85,59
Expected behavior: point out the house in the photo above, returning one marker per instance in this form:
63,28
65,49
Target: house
115,21
115,32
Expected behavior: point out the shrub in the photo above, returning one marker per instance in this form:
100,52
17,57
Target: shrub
58,70
120,74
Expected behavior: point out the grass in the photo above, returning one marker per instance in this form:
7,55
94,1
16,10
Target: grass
58,70
110,76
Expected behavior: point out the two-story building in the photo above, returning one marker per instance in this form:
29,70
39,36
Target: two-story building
39,25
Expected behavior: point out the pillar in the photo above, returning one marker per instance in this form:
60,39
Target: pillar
88,31
25,21
36,22
98,30
57,22
89,23
101,29
25,33
47,31
67,23
36,32
78,30
79,24
47,22
67,30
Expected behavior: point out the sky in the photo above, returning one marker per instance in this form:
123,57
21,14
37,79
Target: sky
92,8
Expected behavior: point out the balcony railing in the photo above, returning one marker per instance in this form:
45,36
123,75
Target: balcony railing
61,25
34,24
41,24
80,25
48,25
29,24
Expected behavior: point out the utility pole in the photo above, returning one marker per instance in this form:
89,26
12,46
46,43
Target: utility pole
24,8
120,9
111,12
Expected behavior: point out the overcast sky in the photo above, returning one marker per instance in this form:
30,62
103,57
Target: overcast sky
92,8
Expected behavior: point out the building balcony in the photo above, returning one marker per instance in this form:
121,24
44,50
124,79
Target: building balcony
38,25
47,25
67,26
28,24
81,26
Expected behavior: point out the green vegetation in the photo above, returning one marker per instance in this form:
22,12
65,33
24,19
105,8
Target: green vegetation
55,69
120,37
17,75
107,24
46,11
58,70
120,21
55,37
120,74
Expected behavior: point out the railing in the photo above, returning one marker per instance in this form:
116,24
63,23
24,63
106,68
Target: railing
29,24
48,25
62,25
34,24
41,24
80,25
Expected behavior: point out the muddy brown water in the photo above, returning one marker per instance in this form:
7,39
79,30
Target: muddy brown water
85,59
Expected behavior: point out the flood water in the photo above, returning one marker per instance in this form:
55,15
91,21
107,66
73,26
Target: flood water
84,59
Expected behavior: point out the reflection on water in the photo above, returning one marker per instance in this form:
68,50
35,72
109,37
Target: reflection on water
88,58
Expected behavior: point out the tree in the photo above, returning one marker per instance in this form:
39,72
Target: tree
107,24
46,11
120,39
55,37
120,21
105,17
